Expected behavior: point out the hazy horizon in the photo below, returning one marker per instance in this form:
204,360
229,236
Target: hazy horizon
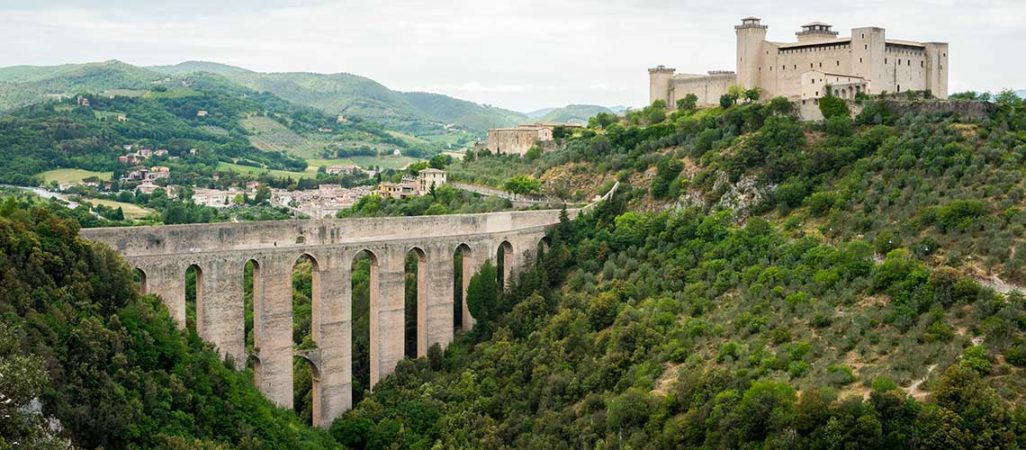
523,55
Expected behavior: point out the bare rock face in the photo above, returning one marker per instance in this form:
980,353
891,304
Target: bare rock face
742,196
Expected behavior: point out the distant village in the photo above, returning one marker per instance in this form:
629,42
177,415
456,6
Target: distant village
324,201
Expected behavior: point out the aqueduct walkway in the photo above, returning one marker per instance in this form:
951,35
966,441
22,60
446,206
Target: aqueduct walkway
220,252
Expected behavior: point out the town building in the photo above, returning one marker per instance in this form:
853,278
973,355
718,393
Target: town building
342,169
864,62
517,140
429,178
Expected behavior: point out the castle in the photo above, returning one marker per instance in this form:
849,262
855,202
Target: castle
866,62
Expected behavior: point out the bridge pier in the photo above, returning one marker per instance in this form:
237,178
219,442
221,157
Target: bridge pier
221,319
437,325
166,279
275,339
332,330
387,312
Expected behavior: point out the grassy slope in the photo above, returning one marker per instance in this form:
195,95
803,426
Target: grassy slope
72,176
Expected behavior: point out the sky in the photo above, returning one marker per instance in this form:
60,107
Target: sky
517,54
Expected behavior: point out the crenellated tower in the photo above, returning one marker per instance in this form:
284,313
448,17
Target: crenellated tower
750,36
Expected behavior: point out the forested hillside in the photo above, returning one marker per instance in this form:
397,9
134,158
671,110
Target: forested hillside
108,365
793,285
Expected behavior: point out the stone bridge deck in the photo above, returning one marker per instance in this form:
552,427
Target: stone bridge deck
219,253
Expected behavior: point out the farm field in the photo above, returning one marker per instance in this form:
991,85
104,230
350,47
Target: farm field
269,135
72,176
131,211
311,171
385,162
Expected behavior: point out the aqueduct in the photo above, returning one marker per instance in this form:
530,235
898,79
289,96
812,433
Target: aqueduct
218,253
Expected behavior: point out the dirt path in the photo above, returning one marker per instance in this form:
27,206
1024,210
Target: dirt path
914,390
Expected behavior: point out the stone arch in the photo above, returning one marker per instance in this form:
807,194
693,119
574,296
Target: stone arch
361,349
140,279
504,260
197,302
463,266
313,333
253,307
415,315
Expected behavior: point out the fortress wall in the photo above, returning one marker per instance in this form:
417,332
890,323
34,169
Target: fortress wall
969,110
708,89
785,74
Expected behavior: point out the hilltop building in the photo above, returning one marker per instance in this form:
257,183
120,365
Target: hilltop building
518,140
413,187
865,62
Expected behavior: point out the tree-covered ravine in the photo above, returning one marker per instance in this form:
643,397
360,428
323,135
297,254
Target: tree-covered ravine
755,282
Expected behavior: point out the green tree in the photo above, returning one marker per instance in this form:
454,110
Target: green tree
688,103
831,106
522,185
483,293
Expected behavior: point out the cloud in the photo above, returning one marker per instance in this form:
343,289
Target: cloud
520,54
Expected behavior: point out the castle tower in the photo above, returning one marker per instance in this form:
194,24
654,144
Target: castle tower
937,68
750,36
868,54
816,32
659,79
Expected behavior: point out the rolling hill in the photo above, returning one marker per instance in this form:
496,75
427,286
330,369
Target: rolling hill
348,94
572,114
336,94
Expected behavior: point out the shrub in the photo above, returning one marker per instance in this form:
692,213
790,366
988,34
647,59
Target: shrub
831,107
1016,354
960,214
840,375
820,203
975,358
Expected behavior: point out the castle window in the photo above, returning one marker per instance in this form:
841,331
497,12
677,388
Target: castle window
860,60
820,64
795,67
838,63
863,35
867,46
810,65
885,60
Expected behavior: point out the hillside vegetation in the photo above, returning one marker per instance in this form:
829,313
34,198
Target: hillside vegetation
795,286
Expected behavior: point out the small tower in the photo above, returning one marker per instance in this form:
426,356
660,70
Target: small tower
816,32
750,36
659,79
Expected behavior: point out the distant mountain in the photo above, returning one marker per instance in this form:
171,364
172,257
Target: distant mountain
25,85
349,94
540,112
467,114
572,114
342,93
